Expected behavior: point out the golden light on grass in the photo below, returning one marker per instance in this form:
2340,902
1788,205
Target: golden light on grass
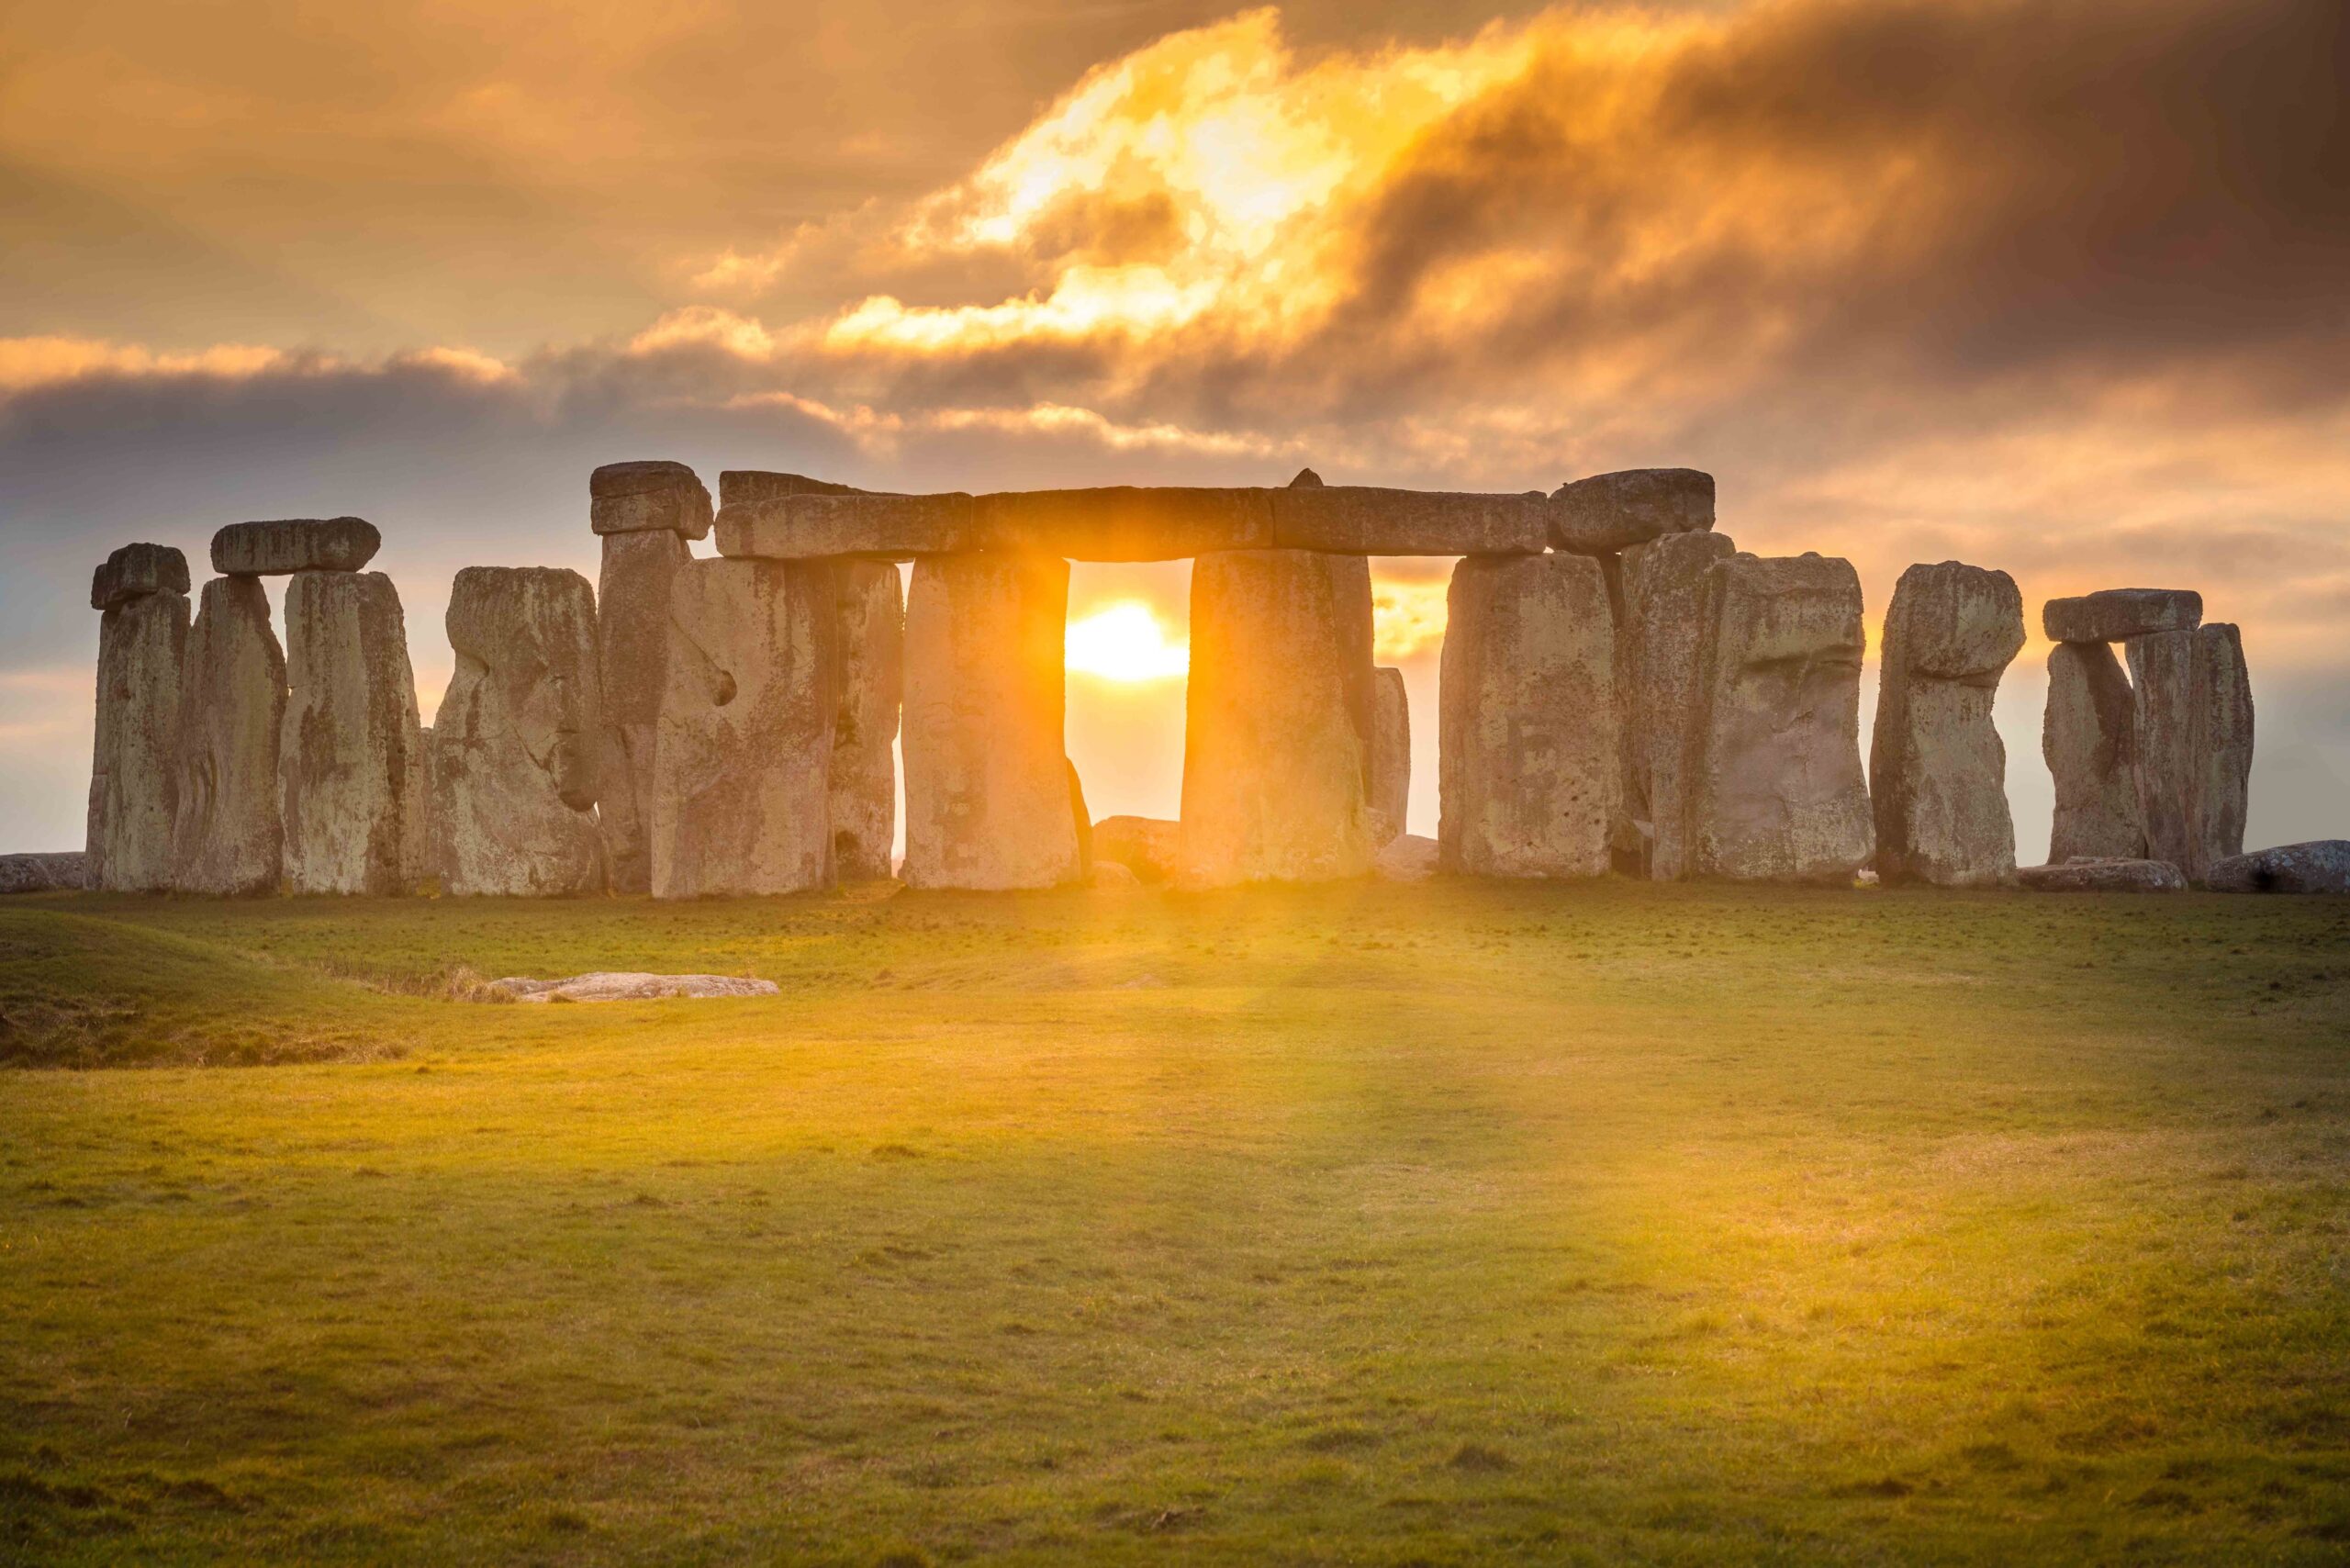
1124,641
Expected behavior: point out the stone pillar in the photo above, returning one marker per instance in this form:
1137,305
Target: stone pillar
350,760
226,837
142,591
2088,740
1774,788
2192,706
514,752
643,512
870,677
1279,718
1391,755
987,783
1528,757
1937,767
1658,644
742,752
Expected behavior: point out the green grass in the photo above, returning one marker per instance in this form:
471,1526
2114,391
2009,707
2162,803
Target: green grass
1356,1225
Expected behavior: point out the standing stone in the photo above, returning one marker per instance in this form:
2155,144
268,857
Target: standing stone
2089,739
226,837
1774,788
350,761
987,794
142,644
870,674
742,757
2193,712
1660,639
1937,768
1531,775
1391,755
514,747
631,652
1278,719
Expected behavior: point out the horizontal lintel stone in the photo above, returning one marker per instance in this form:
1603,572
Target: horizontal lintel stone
1361,520
807,527
2114,615
1126,522
745,485
294,545
136,570
1609,512
648,498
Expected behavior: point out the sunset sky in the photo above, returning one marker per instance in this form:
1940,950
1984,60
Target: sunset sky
2061,288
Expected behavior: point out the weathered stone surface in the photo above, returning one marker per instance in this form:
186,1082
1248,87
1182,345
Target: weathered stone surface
1408,858
350,760
2192,706
869,673
63,871
134,788
515,746
1151,847
1937,767
2089,739
743,763
294,545
1111,877
1305,479
632,661
1529,771
1608,512
738,487
1391,754
1277,718
1659,644
226,837
136,570
2116,615
2087,876
622,985
647,497
811,527
2321,865
988,785
1126,522
1775,790
1363,519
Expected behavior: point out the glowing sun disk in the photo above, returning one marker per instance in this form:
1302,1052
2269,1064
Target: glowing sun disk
1124,641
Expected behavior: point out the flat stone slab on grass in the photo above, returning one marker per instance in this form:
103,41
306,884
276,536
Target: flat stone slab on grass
1407,858
620,985
273,549
2321,865
41,873
2104,877
2113,615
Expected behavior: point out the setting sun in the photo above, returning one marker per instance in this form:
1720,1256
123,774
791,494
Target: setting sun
1124,641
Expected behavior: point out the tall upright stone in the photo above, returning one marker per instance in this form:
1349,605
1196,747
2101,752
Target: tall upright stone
1660,639
350,760
514,752
226,837
1937,767
743,754
1279,718
141,593
870,676
1530,771
1391,755
988,780
1774,790
2088,738
2192,706
643,513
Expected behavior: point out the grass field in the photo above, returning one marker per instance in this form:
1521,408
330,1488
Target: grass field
1358,1225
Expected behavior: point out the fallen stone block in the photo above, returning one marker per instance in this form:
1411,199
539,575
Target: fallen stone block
514,754
349,758
1408,858
227,839
1125,523
1609,512
294,545
811,527
1391,754
1659,647
1775,792
2088,738
742,765
647,497
1109,876
2116,615
134,766
2319,866
988,802
2104,877
618,985
1531,776
632,661
869,673
1361,520
1148,846
137,570
1937,766
1278,719
61,871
